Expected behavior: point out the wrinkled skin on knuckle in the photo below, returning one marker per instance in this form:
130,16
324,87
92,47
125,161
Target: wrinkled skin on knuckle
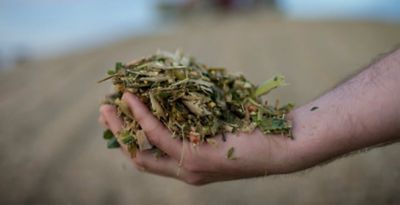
154,129
140,118
154,140
152,134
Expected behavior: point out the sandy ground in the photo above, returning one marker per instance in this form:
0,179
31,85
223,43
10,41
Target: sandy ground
51,151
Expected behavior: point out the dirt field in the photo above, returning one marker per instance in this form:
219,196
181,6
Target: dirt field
51,150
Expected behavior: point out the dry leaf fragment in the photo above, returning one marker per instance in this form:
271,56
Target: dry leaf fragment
229,154
156,107
124,108
142,140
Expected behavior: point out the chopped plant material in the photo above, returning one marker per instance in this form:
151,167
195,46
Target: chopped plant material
112,143
229,153
194,101
314,108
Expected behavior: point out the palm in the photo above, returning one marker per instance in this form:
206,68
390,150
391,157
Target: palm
250,154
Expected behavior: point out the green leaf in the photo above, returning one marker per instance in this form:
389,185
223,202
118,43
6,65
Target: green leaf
111,72
112,143
118,66
165,95
127,138
107,134
273,124
269,85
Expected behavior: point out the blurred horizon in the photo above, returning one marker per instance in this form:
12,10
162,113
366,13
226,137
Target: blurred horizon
362,10
45,28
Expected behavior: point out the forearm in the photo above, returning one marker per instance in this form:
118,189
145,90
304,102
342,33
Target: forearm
362,112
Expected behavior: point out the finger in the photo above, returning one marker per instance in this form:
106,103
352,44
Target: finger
103,122
114,123
155,131
109,113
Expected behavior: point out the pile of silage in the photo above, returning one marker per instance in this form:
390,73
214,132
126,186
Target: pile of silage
194,101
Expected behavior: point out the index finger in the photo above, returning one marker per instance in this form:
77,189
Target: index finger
155,131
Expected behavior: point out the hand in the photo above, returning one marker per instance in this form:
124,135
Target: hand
254,153
342,123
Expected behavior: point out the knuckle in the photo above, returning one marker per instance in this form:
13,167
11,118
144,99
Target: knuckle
152,128
153,132
139,117
152,125
141,114
154,139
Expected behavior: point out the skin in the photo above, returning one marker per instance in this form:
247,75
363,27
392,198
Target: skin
360,113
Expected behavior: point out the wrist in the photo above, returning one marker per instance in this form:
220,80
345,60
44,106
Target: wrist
315,140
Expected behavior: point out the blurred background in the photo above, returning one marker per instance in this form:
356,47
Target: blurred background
53,52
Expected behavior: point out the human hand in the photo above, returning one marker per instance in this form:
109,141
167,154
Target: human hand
255,154
337,123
